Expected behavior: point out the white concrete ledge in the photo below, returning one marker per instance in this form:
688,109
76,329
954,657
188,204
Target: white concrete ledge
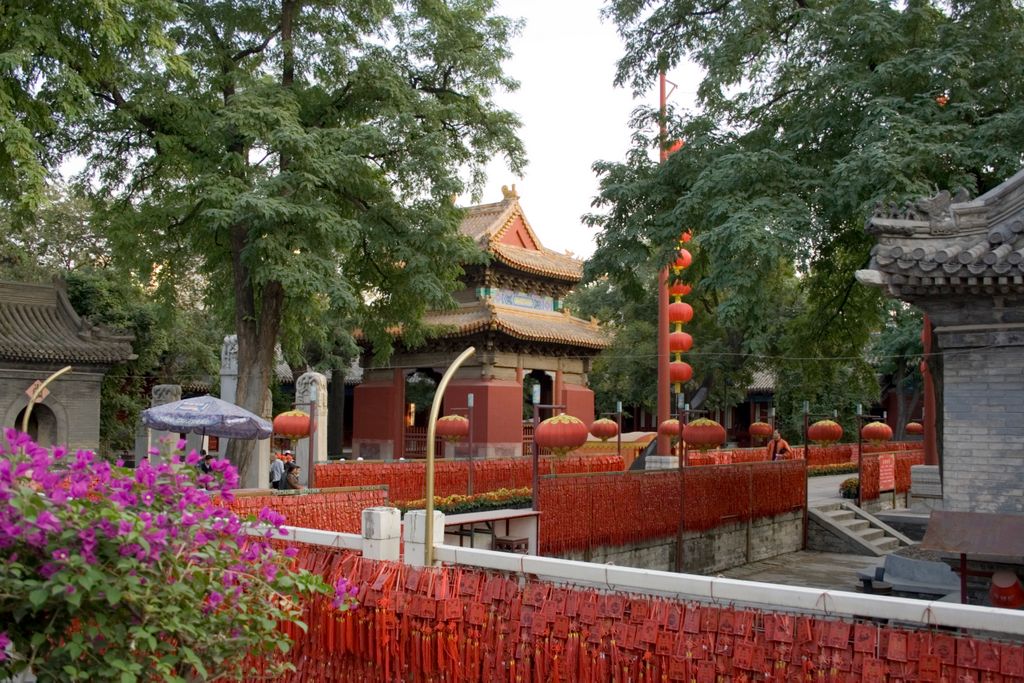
753,593
332,539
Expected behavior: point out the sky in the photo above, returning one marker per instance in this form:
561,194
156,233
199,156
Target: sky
572,114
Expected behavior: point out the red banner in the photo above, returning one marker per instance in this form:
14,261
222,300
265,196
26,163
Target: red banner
886,471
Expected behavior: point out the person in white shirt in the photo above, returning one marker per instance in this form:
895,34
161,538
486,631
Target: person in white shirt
276,472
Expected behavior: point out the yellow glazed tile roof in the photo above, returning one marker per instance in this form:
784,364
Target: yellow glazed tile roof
487,223
526,325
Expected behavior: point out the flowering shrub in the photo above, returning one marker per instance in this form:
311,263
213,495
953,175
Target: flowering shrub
135,576
849,488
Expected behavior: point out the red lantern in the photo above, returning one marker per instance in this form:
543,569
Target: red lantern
680,312
675,146
451,428
561,434
914,428
604,428
679,372
293,424
683,260
679,342
825,432
685,237
942,100
669,428
876,432
703,434
760,430
679,289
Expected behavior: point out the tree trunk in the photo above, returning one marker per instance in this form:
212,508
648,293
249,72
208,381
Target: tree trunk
257,338
258,330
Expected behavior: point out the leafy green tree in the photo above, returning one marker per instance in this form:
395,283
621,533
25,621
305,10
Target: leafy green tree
807,116
57,238
626,371
172,345
52,55
896,351
301,157
174,339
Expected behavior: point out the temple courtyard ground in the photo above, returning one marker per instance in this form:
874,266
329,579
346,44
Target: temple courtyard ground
830,571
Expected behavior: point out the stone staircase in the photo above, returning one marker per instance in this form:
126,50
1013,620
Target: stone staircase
854,530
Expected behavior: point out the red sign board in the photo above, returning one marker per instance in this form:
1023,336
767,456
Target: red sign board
886,472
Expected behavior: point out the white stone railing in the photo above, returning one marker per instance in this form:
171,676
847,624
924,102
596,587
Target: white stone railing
383,530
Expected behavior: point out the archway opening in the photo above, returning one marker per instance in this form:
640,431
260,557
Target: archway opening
42,424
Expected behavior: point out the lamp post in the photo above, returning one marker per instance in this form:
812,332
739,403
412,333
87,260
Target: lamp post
535,449
861,417
617,414
435,407
469,416
681,535
311,472
807,452
683,415
618,421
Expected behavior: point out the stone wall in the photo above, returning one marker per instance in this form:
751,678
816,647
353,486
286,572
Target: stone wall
727,546
983,419
70,414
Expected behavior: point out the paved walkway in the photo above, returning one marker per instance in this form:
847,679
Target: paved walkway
831,571
825,489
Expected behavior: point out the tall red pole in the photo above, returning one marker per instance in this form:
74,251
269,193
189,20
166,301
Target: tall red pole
664,407
931,453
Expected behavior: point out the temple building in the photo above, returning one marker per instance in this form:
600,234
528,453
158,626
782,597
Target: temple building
962,262
40,333
511,310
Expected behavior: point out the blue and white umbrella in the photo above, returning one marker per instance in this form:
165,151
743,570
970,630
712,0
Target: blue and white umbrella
207,415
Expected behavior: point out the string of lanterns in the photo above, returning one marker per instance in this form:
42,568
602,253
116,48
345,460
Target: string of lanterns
680,313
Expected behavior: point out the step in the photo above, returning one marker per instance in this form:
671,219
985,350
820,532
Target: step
840,516
871,535
855,525
886,544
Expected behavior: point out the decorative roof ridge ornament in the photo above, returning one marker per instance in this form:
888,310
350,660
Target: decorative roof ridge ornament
932,214
509,193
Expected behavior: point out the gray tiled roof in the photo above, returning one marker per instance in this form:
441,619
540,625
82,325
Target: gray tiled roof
38,325
948,244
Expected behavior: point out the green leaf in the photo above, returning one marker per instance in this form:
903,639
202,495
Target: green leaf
38,597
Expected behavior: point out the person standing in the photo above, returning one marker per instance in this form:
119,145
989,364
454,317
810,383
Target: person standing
292,480
778,448
276,473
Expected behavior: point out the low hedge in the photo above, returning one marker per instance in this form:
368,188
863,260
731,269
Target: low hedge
826,470
479,502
